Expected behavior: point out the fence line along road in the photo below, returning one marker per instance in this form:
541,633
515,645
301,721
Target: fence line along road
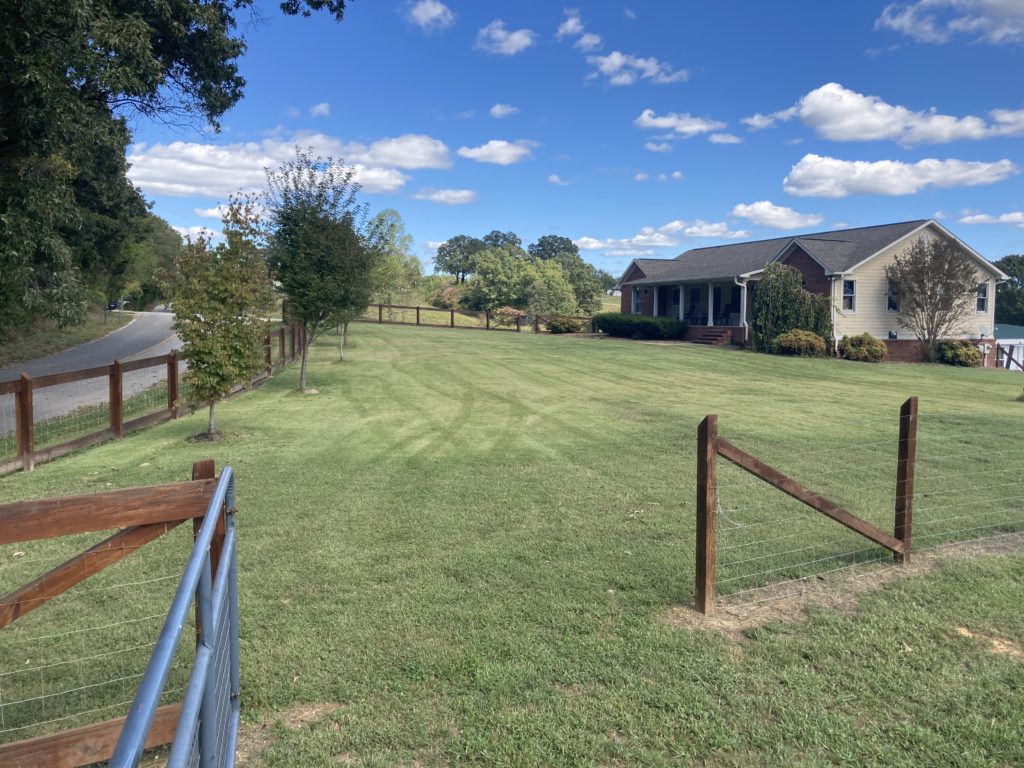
132,395
436,317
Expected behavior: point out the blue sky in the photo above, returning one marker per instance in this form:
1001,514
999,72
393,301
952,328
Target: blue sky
637,129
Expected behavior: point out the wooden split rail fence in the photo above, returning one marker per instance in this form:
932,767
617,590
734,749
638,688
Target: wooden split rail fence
435,317
1010,357
286,341
710,445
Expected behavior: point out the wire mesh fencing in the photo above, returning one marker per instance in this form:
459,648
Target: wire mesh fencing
78,658
8,429
967,482
66,412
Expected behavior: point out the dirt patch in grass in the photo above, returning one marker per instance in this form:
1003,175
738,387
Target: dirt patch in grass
996,645
789,601
256,738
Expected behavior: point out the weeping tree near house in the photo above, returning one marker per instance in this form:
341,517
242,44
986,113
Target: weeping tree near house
222,295
782,304
321,247
936,286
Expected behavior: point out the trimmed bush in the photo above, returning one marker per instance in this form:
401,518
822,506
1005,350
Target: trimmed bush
864,348
961,353
639,326
506,316
799,343
564,325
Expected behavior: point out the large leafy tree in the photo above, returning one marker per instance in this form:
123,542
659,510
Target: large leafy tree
498,239
71,75
321,248
221,297
457,256
936,286
400,271
1010,295
582,277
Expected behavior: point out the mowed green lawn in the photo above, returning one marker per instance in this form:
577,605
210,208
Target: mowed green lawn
466,542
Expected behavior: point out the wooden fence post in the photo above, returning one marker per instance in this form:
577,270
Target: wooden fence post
172,383
453,318
25,422
536,323
295,335
905,477
280,346
519,324
380,313
417,315
268,355
707,501
116,399
487,319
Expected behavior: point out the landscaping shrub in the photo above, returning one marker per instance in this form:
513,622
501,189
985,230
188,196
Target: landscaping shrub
639,326
800,343
864,348
506,316
447,296
960,352
564,325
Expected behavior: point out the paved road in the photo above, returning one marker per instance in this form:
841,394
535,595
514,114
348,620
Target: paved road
148,334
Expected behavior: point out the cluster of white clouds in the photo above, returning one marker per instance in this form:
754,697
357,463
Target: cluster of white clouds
817,176
998,22
682,126
431,15
572,26
1013,217
497,38
840,114
669,235
767,214
447,196
499,151
644,176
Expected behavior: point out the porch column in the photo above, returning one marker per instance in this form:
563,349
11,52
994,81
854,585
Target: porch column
743,308
682,310
711,304
655,311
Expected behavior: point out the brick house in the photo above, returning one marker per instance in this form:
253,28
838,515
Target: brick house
712,288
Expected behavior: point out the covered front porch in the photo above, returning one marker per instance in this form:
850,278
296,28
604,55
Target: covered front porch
714,304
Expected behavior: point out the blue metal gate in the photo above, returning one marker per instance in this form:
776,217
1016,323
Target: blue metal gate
208,726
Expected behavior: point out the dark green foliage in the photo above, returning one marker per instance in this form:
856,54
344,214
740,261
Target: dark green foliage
72,74
782,304
497,239
799,343
1010,295
564,325
606,279
936,284
457,256
864,348
960,353
639,326
583,277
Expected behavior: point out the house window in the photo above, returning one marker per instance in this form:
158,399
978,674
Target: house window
850,295
983,297
636,301
892,301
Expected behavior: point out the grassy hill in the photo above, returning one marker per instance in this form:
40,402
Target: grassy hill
463,549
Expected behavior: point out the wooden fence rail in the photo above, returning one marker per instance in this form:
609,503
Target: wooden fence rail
446,318
1006,357
289,341
710,446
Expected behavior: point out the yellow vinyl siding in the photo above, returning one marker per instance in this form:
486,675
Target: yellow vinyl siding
871,314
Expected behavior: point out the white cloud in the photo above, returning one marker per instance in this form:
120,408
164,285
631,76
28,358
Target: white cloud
589,41
193,232
623,69
433,245
323,109
292,112
839,114
661,146
447,196
629,13
938,21
724,138
186,169
669,235
571,26
817,176
767,214
685,125
217,212
641,176
557,180
503,110
495,38
677,175
1014,217
499,152
431,15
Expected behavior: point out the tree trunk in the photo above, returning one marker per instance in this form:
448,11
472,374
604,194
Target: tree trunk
211,425
344,339
302,368
341,344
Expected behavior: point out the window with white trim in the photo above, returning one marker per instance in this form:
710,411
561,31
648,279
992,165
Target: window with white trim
636,301
982,297
849,295
892,299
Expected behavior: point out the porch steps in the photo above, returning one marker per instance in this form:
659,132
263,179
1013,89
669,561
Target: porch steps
713,337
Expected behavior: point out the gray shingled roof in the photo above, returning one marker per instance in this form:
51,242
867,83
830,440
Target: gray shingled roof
838,251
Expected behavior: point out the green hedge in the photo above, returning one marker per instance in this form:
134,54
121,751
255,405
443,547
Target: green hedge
800,343
864,348
564,325
639,326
